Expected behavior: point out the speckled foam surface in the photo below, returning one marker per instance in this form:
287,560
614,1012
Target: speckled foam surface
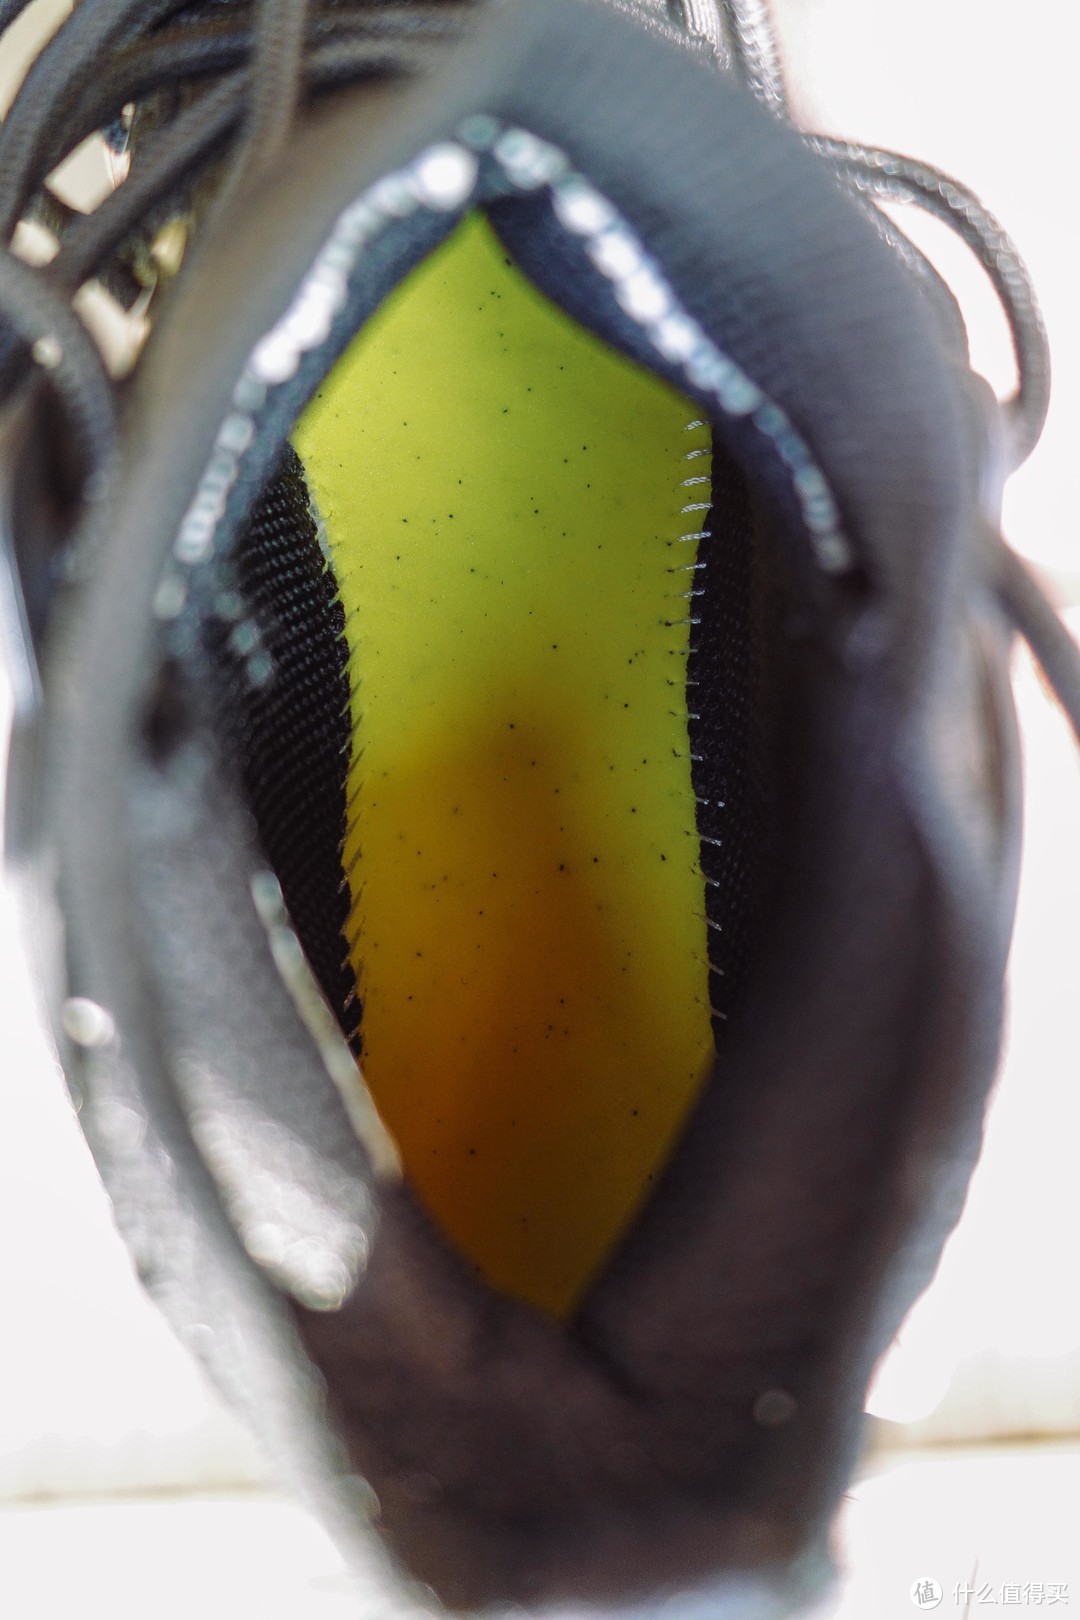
502,498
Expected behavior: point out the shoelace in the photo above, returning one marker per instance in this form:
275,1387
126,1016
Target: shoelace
236,72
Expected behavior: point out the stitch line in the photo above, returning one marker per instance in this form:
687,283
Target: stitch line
443,179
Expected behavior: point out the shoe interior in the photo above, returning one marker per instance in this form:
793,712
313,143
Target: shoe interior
501,780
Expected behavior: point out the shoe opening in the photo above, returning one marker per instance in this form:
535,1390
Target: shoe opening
506,772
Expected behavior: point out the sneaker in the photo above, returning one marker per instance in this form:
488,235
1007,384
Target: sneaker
523,807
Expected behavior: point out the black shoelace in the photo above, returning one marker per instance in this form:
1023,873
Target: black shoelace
223,80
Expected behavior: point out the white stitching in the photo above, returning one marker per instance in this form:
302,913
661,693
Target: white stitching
443,179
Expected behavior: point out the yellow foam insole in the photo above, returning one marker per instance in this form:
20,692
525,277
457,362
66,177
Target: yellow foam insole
502,497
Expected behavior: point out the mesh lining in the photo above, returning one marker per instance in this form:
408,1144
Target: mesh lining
291,737
724,702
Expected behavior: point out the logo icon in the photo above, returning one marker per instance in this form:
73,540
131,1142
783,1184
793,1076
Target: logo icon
926,1593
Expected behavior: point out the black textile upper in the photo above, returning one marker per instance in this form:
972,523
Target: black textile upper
291,737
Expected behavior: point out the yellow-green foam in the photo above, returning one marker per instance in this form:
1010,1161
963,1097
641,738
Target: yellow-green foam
502,499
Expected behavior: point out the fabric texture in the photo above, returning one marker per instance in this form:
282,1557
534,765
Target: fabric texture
290,736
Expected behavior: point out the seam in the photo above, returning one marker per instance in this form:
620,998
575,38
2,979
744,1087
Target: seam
445,179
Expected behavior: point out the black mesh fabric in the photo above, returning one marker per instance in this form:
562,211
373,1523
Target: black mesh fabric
724,702
291,734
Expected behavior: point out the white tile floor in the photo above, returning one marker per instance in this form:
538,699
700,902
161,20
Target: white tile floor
1001,1523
